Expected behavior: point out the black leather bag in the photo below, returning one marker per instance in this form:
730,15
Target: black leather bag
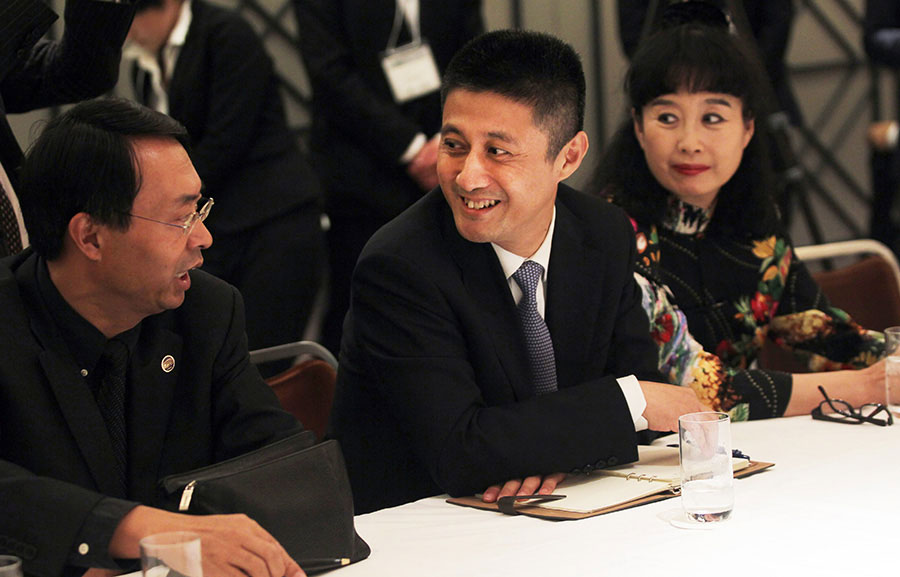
297,490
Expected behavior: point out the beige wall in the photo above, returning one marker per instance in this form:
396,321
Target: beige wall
830,100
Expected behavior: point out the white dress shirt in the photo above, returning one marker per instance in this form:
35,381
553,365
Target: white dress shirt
510,263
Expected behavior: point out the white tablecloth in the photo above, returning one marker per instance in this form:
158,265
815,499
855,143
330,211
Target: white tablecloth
829,507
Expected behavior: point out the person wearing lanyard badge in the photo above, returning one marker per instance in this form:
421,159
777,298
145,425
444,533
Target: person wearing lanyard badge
374,152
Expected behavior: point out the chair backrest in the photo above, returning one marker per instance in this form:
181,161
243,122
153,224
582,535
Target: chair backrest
306,390
868,289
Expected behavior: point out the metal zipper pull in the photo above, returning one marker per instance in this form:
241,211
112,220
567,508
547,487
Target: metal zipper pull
186,495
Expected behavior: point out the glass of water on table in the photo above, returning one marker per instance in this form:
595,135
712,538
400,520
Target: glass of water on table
892,369
707,479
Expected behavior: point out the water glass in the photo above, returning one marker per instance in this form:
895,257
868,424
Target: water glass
707,480
10,566
173,554
892,369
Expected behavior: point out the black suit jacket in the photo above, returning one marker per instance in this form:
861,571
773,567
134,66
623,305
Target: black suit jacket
56,459
434,392
359,133
37,73
225,92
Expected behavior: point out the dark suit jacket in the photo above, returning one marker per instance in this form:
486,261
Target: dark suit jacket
38,73
434,392
359,133
225,92
56,459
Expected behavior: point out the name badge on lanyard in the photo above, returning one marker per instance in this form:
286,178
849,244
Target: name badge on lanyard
411,71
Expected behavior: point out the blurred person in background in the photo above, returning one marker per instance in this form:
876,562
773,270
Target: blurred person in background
206,67
375,68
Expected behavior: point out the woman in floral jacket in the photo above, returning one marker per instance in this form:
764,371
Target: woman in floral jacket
690,170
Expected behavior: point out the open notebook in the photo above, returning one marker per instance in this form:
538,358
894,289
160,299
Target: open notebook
655,476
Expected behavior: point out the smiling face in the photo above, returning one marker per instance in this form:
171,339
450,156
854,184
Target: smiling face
494,171
144,269
693,142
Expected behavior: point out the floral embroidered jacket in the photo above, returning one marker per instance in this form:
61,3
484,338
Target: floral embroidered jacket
733,295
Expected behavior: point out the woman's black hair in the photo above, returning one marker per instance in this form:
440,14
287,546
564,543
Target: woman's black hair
695,58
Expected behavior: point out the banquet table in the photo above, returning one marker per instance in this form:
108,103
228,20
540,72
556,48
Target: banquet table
829,506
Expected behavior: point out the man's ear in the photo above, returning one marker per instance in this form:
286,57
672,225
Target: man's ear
83,233
573,154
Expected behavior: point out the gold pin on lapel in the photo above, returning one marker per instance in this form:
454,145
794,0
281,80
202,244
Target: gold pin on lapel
168,363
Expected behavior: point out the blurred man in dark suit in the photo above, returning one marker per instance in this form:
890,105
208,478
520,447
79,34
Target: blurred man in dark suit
36,73
374,66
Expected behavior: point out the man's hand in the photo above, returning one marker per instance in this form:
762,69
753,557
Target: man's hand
232,545
531,485
423,167
665,403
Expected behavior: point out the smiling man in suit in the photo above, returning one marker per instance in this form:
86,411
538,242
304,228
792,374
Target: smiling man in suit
451,379
120,363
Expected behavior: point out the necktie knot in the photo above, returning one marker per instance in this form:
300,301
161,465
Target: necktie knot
527,277
115,358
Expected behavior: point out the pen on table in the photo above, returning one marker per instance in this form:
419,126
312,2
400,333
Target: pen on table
323,563
736,453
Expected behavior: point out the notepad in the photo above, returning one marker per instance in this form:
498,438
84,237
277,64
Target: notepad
657,470
655,476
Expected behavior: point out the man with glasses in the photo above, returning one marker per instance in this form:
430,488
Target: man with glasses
120,363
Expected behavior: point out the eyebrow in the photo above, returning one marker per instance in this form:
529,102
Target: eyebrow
667,102
190,198
496,134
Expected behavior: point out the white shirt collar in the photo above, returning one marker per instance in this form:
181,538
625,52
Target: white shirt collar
180,31
170,51
511,262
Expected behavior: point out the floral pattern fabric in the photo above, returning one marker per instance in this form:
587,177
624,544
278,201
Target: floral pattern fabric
733,296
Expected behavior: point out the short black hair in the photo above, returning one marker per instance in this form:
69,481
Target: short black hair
528,67
695,58
84,161
141,5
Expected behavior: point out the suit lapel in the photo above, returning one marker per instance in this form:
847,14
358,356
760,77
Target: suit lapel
72,394
82,416
573,283
152,391
486,285
181,76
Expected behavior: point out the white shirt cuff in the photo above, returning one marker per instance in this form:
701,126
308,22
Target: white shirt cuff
634,396
414,147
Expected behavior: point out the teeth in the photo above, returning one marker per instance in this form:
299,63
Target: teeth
480,204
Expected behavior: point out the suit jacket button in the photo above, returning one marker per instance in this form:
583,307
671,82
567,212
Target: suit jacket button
612,462
588,469
83,549
600,464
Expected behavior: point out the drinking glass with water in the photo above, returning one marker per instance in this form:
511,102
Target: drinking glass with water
707,479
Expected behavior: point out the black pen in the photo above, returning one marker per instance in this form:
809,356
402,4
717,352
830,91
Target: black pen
322,564
736,453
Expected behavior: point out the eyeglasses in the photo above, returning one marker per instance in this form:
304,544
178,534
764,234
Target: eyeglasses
192,219
840,411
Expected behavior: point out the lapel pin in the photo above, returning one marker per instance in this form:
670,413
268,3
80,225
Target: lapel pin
168,363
